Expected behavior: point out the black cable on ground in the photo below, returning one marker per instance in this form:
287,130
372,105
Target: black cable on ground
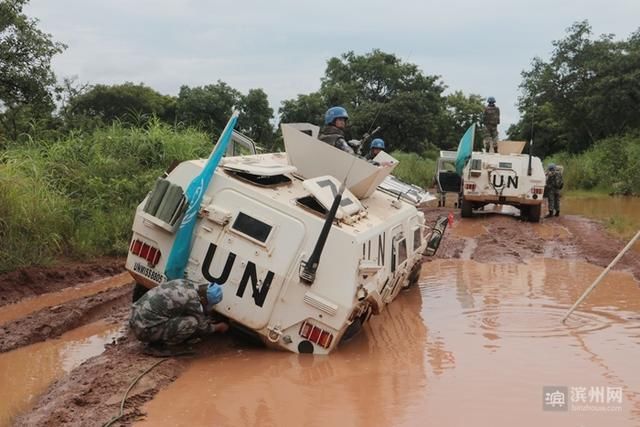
113,420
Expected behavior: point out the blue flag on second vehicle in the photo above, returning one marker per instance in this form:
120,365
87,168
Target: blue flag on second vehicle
195,191
465,148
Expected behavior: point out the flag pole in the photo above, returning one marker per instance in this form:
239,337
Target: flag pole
601,276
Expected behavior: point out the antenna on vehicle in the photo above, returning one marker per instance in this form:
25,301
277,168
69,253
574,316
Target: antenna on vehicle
310,267
533,114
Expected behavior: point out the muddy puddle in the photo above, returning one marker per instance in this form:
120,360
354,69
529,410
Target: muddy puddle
473,344
28,371
603,207
30,305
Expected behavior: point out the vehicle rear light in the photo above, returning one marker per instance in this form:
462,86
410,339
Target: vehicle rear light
146,251
316,334
537,190
470,186
136,245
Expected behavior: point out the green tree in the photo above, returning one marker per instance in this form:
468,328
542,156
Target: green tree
304,109
129,103
255,117
26,78
378,89
462,111
207,107
588,90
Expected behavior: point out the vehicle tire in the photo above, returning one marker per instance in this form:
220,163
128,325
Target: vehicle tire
467,209
524,212
534,213
138,291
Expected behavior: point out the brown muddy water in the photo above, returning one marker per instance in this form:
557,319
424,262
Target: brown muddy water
28,371
29,305
473,344
603,207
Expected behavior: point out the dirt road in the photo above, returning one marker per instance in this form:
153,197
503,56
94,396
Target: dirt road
90,393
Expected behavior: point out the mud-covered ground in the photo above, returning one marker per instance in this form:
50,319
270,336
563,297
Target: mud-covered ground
91,393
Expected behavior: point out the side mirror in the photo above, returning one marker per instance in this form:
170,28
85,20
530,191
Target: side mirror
436,236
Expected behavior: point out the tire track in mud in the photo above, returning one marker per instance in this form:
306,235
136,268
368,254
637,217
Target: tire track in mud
53,321
91,394
33,281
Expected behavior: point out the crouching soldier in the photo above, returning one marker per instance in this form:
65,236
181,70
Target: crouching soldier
174,312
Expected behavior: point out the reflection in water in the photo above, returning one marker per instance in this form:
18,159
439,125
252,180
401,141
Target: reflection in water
615,209
603,207
28,371
474,345
376,379
503,323
29,305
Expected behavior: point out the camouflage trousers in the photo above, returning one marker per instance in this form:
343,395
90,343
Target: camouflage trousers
172,332
490,139
554,200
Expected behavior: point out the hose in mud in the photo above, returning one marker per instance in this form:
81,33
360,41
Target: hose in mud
135,381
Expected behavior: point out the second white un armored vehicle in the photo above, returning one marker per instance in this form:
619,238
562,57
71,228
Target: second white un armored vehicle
504,178
301,268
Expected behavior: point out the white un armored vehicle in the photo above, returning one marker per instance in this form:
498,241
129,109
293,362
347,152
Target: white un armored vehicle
301,268
504,178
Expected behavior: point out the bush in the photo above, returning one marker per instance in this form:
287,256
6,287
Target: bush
91,181
414,169
612,165
34,218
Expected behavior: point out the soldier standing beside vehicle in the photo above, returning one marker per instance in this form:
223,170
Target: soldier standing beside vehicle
335,121
490,121
553,187
175,312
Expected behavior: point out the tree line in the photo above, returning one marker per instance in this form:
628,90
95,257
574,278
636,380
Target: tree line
377,88
587,91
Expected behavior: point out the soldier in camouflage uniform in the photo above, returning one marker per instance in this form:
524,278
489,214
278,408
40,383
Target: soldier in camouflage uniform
491,120
553,187
335,121
174,312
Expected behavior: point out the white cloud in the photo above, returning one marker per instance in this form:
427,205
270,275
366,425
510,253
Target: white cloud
282,46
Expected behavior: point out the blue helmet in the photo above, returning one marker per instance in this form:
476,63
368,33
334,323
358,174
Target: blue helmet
214,295
335,113
551,167
378,143
491,100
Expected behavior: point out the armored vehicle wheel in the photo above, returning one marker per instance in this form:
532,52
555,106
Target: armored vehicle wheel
467,209
534,213
138,291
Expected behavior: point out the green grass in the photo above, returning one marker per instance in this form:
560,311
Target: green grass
414,169
77,196
622,226
34,218
611,166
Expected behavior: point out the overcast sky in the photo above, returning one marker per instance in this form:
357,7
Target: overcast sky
282,46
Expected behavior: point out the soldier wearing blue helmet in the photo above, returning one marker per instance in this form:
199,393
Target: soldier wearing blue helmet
377,145
335,121
174,312
490,121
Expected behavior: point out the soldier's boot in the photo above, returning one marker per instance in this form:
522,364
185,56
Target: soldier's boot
549,215
557,213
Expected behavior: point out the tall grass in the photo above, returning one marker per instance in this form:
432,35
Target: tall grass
612,165
414,169
34,218
79,194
